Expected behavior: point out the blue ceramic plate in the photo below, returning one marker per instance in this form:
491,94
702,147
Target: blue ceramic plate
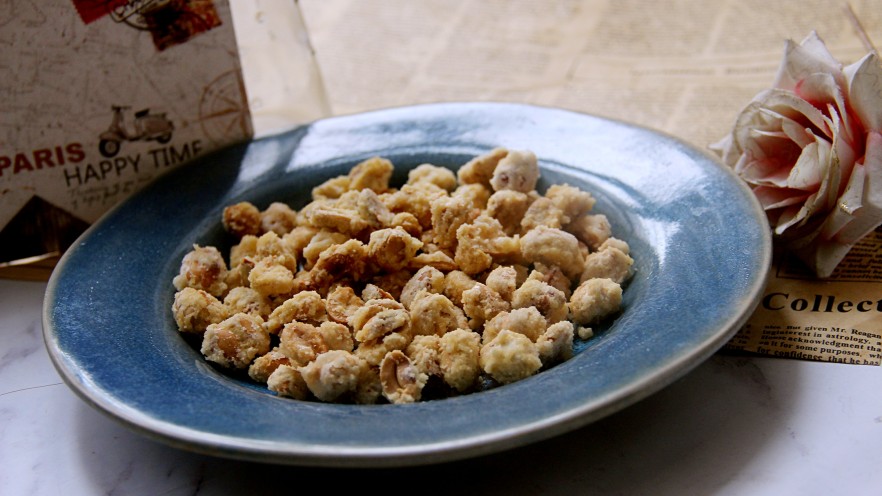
699,238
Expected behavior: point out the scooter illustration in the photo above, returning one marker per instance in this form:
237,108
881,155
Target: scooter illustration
145,127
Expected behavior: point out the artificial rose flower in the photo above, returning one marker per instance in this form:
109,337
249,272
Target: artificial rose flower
810,148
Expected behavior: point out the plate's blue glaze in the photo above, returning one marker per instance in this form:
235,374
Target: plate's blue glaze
700,241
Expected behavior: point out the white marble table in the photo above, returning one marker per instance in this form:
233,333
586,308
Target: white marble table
732,426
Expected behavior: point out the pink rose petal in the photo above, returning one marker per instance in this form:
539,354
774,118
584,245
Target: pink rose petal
810,56
865,90
868,215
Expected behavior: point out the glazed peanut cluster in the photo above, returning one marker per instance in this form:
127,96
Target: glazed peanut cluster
450,284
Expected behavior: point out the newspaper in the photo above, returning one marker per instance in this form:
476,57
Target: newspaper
684,68
834,320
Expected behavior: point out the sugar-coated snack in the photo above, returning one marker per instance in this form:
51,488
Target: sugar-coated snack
334,375
264,365
508,207
402,381
551,246
242,218
548,300
433,313
439,176
503,280
426,279
424,353
448,284
608,263
510,357
556,343
527,321
246,300
458,358
517,171
195,309
593,230
392,249
287,381
342,302
481,303
595,299
305,306
235,342
203,268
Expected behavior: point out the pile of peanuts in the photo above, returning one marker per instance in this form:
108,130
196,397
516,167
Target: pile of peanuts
453,283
